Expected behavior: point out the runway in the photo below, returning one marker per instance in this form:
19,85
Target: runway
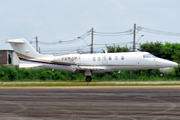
90,103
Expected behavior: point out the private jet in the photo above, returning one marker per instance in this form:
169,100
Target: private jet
87,63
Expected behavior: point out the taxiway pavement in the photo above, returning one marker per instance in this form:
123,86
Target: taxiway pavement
90,103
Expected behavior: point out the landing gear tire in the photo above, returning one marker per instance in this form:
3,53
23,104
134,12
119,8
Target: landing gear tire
161,74
88,79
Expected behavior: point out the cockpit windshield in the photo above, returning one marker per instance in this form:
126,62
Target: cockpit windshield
149,56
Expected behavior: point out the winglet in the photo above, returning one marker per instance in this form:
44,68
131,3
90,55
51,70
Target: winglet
71,61
73,64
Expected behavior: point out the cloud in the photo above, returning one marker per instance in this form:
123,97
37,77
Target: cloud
116,5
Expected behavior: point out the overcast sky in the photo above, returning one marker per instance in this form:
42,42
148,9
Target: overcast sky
53,20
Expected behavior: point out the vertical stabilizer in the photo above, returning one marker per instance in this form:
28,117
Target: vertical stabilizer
25,51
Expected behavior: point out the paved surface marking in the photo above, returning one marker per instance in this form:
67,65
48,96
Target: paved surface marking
117,103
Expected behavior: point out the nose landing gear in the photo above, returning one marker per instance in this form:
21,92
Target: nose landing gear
88,79
161,74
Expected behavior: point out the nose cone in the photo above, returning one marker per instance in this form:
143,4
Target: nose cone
167,63
173,64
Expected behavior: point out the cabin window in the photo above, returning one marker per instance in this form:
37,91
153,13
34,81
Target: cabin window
109,57
104,58
94,59
99,59
122,57
116,57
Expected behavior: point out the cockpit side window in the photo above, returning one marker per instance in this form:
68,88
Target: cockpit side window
149,56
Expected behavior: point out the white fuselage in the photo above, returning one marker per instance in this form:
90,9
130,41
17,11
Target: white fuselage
106,62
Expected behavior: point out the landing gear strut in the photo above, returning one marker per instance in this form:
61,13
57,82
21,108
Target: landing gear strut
88,79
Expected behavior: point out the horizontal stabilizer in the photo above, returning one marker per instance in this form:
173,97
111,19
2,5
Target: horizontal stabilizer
15,41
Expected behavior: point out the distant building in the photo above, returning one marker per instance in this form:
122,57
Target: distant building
8,57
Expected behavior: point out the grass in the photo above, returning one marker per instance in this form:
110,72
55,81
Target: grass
73,84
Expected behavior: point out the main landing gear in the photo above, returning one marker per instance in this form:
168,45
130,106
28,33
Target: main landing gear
88,79
88,74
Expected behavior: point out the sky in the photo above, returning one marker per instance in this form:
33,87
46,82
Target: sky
54,20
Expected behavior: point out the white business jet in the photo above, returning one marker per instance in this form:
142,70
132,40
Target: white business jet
87,63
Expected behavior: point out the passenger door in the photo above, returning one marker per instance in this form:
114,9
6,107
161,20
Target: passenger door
104,59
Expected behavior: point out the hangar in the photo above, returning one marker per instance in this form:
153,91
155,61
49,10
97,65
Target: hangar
8,57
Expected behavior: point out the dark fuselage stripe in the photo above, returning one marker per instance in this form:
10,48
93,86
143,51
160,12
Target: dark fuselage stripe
23,59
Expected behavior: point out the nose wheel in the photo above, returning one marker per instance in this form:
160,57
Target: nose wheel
88,79
161,74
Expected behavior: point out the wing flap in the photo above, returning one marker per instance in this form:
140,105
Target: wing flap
77,67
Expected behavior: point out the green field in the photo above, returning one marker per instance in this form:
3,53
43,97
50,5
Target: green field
15,74
72,84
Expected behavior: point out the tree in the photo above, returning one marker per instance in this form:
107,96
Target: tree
170,51
114,48
46,75
13,74
153,48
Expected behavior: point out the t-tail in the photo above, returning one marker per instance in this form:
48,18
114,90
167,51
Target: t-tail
28,56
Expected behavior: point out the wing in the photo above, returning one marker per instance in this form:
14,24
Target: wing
91,67
77,67
23,64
